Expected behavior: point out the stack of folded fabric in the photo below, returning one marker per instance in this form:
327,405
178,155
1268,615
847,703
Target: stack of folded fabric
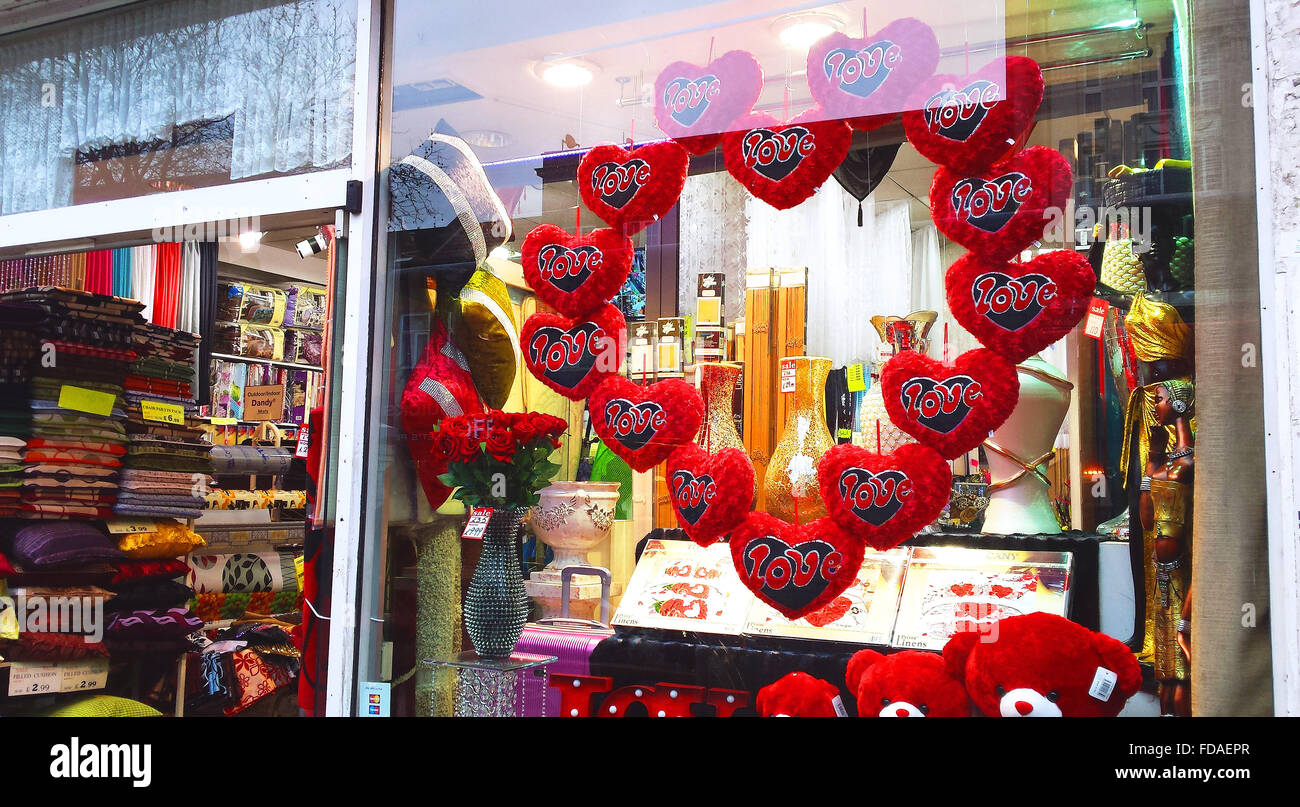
18,350
167,466
77,440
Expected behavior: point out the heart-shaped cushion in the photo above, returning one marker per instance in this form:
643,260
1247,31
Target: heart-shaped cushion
695,105
711,493
949,407
785,163
1000,211
643,425
572,355
874,76
796,569
630,189
1017,309
884,499
968,123
574,274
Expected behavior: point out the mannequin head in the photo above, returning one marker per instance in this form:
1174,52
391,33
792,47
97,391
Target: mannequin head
1173,400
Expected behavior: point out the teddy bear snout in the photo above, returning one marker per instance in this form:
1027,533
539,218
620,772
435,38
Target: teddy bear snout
1026,702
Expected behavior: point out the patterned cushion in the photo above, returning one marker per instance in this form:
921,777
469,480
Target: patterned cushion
169,541
103,706
50,647
50,543
169,624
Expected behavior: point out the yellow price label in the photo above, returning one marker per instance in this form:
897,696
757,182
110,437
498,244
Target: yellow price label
163,412
224,421
857,378
86,400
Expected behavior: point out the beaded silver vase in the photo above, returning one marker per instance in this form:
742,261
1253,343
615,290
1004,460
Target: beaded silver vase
496,606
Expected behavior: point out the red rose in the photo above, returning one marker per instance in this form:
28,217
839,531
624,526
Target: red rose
467,448
444,445
500,443
457,426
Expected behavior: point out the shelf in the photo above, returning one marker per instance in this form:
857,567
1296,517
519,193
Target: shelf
251,360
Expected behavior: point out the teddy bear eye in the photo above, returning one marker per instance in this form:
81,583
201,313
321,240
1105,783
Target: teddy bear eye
884,701
925,710
1053,695
998,689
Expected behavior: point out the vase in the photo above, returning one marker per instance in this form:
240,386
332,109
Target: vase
496,606
876,432
573,518
790,483
718,387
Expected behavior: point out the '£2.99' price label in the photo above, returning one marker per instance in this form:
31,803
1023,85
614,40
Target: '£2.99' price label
31,678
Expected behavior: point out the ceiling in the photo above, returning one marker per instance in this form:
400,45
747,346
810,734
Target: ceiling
485,81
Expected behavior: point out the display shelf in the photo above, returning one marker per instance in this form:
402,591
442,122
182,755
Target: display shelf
252,360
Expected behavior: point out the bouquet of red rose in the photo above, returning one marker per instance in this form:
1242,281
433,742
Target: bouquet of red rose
498,458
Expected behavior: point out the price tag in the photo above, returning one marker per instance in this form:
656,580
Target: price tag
33,678
1096,317
857,378
163,412
478,522
225,421
83,676
299,571
126,526
787,375
844,434
86,400
304,442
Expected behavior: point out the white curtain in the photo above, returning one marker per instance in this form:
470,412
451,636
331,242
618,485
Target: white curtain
853,272
712,237
930,262
283,73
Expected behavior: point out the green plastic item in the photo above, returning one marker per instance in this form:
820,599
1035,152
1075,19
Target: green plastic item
607,467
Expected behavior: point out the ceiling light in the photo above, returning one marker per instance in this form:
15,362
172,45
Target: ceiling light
801,31
566,73
249,239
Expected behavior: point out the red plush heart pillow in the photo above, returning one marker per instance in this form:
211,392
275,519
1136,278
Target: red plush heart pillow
1017,309
1000,211
643,425
884,499
968,123
795,569
571,355
949,407
785,163
711,493
872,76
695,105
575,274
440,386
630,189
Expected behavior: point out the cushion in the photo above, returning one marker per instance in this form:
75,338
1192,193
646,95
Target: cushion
135,570
52,543
6,568
103,706
150,594
170,540
51,647
172,623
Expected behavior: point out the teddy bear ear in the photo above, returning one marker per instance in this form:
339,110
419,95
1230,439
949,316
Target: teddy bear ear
1118,658
858,665
957,651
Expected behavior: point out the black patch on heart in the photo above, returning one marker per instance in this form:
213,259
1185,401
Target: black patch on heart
942,422
961,129
852,479
764,153
632,424
551,254
1022,311
619,197
573,369
698,93
692,494
764,570
995,217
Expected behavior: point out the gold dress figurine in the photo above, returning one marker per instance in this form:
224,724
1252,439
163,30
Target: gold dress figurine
1165,507
1161,340
791,480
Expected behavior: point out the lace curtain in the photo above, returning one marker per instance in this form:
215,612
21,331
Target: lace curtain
853,272
281,72
713,238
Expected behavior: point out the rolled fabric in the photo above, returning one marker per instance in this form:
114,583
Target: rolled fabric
251,459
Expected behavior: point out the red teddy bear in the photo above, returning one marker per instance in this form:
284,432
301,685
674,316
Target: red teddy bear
799,695
1042,665
912,683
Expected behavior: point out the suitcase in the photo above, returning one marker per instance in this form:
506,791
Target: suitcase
569,639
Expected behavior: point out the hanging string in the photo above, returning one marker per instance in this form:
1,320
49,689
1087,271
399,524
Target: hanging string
879,450
577,219
710,50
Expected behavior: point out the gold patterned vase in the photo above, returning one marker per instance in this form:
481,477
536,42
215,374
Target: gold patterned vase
717,386
791,482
